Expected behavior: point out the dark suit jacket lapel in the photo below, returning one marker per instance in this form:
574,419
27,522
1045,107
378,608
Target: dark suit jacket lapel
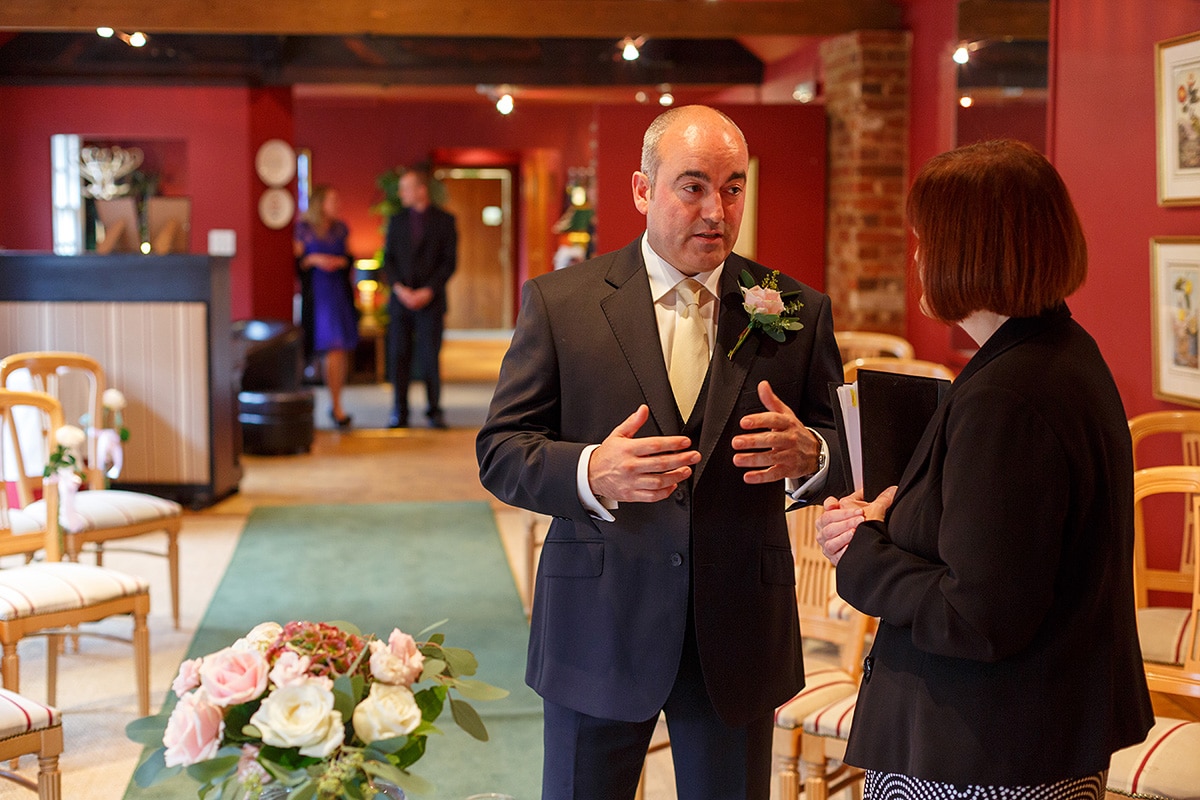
630,313
726,377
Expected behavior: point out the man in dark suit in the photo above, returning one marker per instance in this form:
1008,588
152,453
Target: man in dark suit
666,582
420,256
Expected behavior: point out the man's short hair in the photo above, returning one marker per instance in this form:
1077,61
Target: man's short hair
996,231
651,155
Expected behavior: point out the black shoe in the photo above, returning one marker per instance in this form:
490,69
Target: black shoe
397,421
436,420
342,423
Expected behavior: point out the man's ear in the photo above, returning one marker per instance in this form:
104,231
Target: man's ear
641,191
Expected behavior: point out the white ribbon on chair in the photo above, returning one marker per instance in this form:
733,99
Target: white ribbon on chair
109,450
68,485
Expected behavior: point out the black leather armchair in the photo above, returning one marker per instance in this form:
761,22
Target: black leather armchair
275,409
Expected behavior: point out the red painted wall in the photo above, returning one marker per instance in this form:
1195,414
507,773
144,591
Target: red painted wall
272,274
789,142
213,122
1024,121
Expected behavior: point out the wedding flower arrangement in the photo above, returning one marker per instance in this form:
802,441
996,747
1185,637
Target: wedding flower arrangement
318,708
772,312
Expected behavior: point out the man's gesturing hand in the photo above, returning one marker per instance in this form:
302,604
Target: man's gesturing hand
780,446
643,470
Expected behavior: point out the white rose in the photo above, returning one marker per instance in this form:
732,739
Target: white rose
260,637
301,716
70,437
112,399
388,711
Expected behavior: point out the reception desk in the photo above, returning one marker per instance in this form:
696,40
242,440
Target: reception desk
160,326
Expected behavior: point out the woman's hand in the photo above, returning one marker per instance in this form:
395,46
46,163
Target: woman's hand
839,520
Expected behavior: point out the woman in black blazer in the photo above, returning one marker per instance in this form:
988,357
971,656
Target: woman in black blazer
1001,568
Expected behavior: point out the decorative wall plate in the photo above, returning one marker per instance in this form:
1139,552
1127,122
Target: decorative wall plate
276,208
275,162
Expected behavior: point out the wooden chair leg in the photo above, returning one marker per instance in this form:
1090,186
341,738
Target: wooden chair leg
141,661
812,753
173,572
53,643
49,780
787,749
10,669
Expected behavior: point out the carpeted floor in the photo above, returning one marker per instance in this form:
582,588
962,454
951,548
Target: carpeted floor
381,566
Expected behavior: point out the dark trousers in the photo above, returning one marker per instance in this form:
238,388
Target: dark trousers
587,758
415,336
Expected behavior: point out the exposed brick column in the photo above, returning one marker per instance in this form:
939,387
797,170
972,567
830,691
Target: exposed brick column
866,100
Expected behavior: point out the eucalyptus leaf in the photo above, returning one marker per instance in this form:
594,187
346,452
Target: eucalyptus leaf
207,771
147,730
431,702
775,334
746,279
154,769
432,668
381,749
344,699
305,791
348,627
405,780
437,636
462,662
478,690
468,719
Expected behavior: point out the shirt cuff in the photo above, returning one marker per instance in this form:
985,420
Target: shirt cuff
815,482
598,507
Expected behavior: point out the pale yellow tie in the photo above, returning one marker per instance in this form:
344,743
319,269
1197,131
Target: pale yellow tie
689,348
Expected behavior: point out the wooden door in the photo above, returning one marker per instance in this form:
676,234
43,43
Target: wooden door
478,295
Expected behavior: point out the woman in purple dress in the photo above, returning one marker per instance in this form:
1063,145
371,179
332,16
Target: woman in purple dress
320,247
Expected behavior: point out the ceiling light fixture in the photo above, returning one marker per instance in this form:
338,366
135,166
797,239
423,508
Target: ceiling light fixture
137,39
962,55
966,101
805,92
631,47
504,104
105,32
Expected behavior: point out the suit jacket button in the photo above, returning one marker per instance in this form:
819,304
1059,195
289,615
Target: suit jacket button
868,665
679,495
676,560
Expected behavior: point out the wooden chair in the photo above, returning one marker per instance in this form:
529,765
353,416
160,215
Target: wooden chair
50,597
1164,631
29,728
906,366
824,617
866,344
108,514
1184,427
1165,764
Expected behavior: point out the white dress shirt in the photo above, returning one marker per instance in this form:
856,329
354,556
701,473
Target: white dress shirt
663,278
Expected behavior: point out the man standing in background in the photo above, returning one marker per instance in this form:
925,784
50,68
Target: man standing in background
420,256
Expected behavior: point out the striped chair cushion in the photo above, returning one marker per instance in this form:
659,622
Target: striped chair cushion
21,715
1161,632
108,508
61,586
1164,767
821,687
832,720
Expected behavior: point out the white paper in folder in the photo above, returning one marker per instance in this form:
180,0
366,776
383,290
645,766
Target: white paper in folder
847,395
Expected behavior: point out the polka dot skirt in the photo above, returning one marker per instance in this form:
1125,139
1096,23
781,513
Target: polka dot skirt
885,786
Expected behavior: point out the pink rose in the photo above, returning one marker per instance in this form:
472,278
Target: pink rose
290,669
398,662
194,731
188,677
248,765
763,301
234,676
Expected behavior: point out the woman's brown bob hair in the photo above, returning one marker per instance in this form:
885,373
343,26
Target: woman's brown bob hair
996,231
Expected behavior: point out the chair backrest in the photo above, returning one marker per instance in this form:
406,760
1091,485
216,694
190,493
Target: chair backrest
16,444
1152,482
823,615
1185,426
47,371
1182,679
906,366
865,344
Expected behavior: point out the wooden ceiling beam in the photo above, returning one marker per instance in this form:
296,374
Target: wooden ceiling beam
688,19
980,20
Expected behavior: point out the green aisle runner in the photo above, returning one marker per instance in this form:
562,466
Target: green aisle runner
405,565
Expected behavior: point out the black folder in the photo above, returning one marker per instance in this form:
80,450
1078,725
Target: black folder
893,409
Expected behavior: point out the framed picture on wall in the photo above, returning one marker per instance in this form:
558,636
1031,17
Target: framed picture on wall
1174,310
1177,101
